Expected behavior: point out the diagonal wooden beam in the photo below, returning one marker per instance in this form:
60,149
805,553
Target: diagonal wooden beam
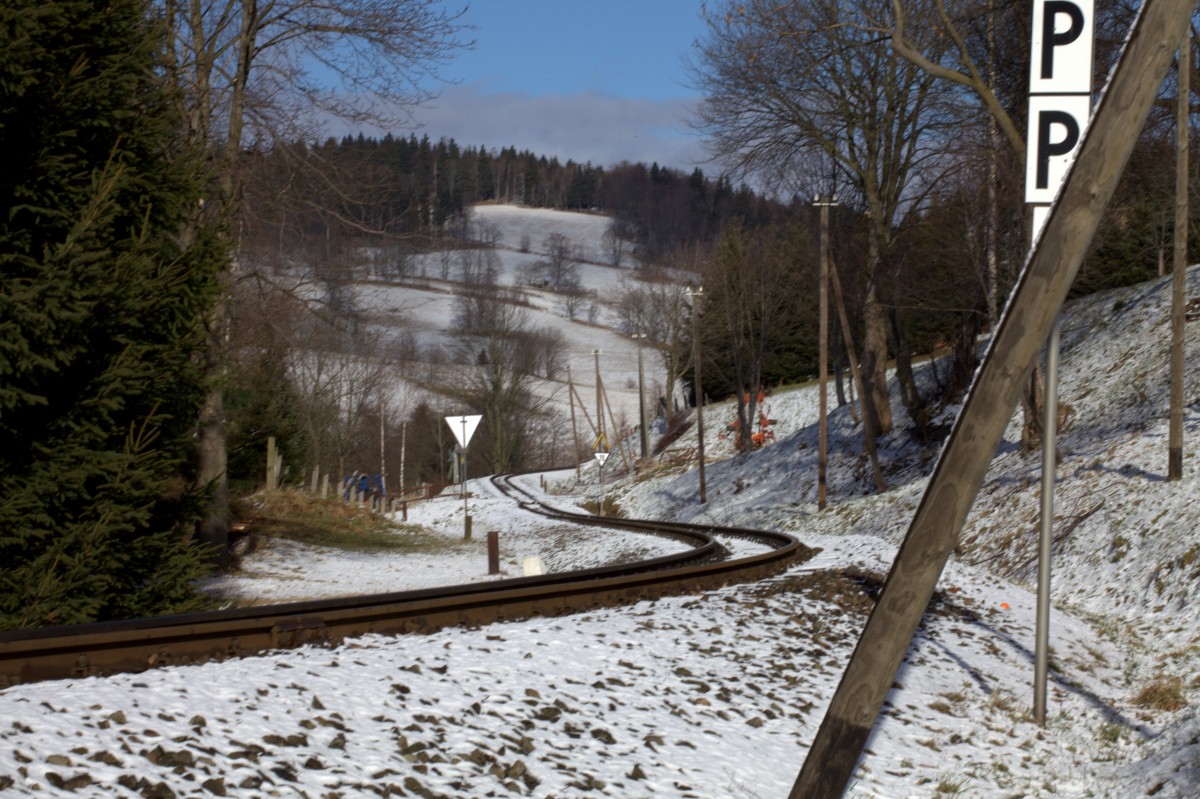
1038,296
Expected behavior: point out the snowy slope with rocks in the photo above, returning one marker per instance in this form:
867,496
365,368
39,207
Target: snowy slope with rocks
719,694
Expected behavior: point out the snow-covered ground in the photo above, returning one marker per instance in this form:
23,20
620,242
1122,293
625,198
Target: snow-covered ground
424,304
719,694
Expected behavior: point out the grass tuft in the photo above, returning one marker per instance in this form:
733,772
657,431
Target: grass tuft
1163,693
298,516
611,508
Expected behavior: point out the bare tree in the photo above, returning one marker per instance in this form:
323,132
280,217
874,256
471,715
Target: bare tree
340,376
614,245
800,90
574,298
561,267
549,348
496,379
753,287
661,312
478,268
975,62
245,72
481,304
488,233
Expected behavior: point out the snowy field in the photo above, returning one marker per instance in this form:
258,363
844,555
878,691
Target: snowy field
286,571
424,304
719,694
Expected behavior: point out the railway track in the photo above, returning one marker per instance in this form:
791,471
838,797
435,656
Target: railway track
137,645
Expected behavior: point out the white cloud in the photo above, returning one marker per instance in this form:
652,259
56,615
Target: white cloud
595,127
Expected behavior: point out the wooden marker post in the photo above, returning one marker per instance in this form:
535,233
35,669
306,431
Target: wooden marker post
493,546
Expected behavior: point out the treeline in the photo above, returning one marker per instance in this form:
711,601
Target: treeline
367,189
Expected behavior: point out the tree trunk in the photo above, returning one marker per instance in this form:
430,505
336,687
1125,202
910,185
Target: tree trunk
966,357
914,403
1033,397
213,530
991,245
874,366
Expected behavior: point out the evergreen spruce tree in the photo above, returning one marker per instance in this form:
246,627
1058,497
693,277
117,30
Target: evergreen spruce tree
101,311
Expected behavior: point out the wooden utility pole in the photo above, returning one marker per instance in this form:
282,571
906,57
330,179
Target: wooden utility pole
574,429
612,419
641,337
1179,278
824,203
696,296
1022,331
599,401
272,462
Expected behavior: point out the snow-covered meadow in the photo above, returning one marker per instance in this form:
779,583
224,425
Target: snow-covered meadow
719,694
424,304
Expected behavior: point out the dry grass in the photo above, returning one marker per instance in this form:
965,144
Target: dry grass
611,508
298,516
1163,693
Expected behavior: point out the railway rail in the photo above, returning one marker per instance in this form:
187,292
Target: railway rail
139,644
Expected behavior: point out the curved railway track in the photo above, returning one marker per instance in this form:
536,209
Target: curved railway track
140,644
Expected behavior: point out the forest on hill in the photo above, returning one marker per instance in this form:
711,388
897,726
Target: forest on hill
417,190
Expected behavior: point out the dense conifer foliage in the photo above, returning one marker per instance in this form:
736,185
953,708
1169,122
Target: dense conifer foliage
101,311
300,196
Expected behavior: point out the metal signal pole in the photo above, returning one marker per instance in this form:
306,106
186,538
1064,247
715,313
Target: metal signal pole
1041,662
466,512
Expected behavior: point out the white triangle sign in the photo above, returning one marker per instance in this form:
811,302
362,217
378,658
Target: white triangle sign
463,427
600,457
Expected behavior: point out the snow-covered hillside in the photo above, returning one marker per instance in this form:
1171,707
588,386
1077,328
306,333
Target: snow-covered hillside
719,694
424,303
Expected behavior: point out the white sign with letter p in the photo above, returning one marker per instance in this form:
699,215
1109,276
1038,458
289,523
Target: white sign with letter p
1061,56
1056,126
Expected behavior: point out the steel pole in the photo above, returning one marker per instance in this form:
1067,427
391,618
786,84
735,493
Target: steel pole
466,512
1049,431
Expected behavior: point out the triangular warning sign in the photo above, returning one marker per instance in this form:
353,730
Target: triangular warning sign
601,440
600,457
463,427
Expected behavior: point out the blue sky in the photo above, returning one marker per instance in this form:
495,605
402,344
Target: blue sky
589,80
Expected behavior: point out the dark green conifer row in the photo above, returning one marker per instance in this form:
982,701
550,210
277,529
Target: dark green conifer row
101,312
